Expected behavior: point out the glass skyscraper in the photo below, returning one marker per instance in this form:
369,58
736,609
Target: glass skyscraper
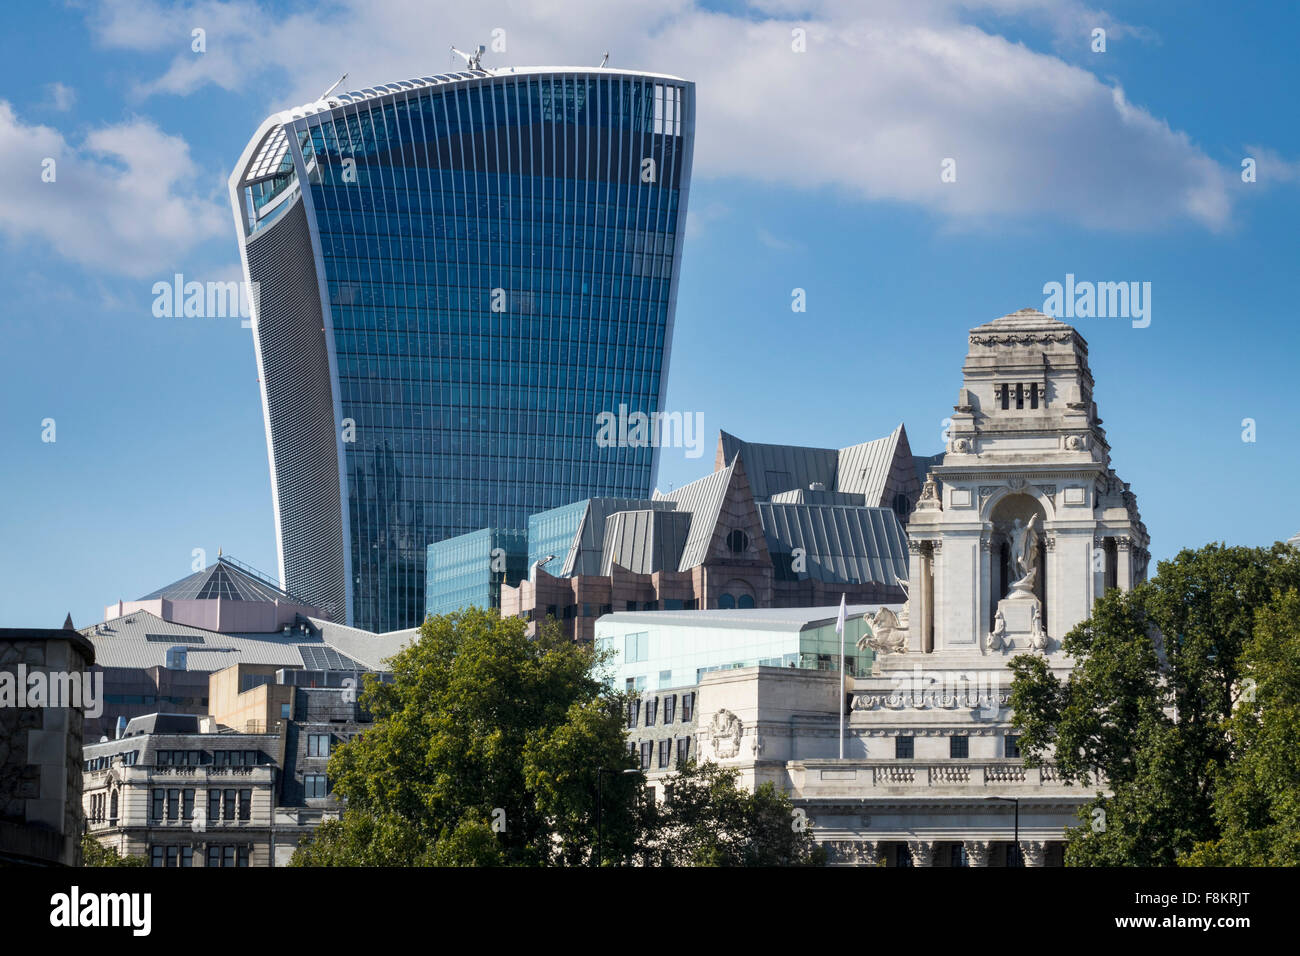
454,275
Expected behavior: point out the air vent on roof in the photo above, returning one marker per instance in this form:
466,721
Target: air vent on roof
174,638
817,486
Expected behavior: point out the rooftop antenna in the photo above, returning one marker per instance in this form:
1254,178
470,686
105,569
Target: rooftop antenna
336,85
473,60
603,60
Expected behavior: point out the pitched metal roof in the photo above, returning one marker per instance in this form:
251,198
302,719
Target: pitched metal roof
586,551
842,545
703,499
774,468
645,541
864,469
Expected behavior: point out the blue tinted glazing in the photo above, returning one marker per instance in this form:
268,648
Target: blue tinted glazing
498,274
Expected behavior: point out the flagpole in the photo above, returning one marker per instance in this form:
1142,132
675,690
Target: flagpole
841,627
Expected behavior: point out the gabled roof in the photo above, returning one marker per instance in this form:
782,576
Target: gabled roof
225,579
774,468
703,499
865,468
862,469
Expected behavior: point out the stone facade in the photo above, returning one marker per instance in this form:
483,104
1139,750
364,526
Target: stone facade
1016,532
215,809
40,749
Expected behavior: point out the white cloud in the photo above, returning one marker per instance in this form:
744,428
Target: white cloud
122,201
62,97
884,93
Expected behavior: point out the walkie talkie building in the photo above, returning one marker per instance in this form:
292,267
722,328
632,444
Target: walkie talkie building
455,275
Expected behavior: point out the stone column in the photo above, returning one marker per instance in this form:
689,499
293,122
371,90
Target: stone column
1032,852
985,585
916,610
936,590
1124,563
922,852
977,852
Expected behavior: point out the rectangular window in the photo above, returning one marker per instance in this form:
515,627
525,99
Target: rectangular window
242,856
214,805
651,711
318,745
284,711
904,748
959,746
1013,746
647,752
688,707
245,804
315,785
227,856
683,750
214,856
670,708
187,805
156,857
665,678
173,855
157,799
187,856
633,713
163,758
1020,395
228,810
665,752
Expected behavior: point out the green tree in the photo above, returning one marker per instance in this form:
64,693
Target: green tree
94,853
705,819
482,732
1257,797
1145,710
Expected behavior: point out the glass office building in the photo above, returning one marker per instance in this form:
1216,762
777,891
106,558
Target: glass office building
454,276
469,569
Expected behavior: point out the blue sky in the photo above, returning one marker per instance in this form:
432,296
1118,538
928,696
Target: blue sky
816,170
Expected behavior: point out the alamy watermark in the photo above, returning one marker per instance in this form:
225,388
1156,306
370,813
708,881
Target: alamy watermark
23,689
179,299
652,430
1101,300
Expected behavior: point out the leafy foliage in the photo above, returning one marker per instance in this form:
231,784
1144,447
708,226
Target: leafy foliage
483,732
707,820
94,853
490,748
1146,711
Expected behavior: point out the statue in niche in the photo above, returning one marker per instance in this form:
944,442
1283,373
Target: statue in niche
1024,554
998,636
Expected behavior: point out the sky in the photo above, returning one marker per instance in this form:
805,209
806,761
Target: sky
823,133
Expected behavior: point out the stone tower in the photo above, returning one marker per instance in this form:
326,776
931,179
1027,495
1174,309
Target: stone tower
1024,524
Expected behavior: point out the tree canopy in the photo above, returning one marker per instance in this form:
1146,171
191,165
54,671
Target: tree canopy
1158,709
486,749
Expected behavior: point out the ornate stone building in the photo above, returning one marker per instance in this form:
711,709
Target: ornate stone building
1017,531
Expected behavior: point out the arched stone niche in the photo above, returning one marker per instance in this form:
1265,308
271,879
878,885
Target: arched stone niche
1004,511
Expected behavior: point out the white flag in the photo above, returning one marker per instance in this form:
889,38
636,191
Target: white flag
839,622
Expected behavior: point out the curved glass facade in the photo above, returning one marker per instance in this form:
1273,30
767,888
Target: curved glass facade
496,258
